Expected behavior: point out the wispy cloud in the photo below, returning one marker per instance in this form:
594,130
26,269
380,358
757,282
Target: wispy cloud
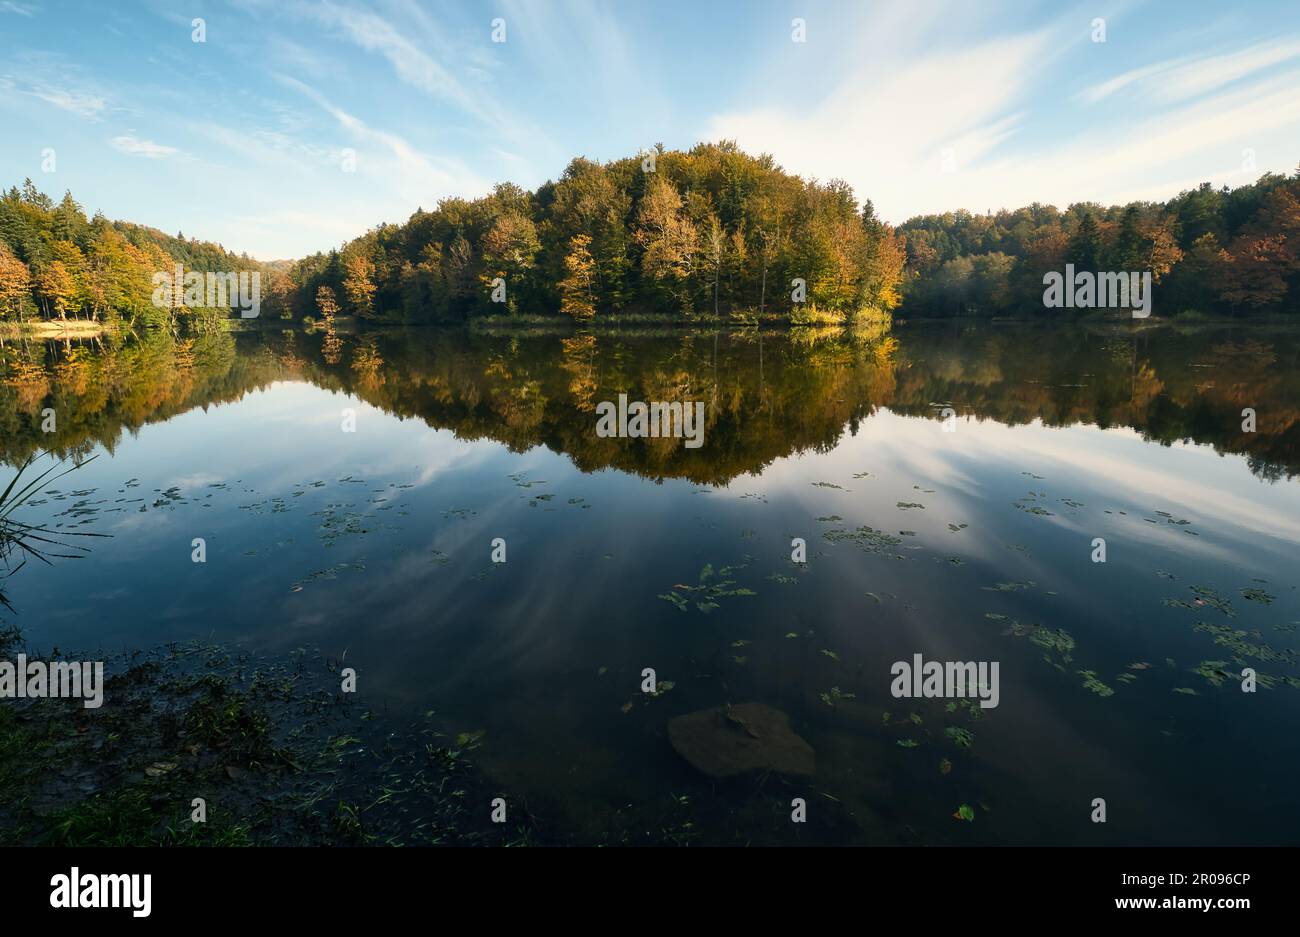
133,145
1153,158
80,103
416,49
413,172
375,34
987,111
887,126
1186,77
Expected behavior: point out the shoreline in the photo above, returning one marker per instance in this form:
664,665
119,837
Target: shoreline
54,328
649,322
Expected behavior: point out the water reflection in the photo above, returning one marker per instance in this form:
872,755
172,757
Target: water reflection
767,395
971,545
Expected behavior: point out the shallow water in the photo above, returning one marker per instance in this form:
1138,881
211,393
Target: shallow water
376,544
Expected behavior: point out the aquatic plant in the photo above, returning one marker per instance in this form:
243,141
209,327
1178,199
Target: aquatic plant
709,589
963,738
20,541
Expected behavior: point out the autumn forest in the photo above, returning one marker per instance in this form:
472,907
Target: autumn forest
709,234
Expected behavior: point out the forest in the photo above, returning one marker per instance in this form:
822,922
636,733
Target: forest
700,235
1224,252
697,234
55,263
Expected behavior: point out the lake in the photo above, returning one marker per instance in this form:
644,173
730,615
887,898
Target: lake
950,482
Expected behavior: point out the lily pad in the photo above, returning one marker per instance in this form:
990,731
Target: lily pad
962,738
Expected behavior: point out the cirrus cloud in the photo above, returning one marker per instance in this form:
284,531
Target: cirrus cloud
135,146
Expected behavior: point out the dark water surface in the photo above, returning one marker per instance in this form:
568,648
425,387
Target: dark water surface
1117,680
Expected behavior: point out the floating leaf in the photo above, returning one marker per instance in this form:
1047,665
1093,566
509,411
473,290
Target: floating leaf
1257,595
962,738
1091,682
470,740
1010,586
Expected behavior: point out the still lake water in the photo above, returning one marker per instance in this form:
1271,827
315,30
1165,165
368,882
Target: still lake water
1118,680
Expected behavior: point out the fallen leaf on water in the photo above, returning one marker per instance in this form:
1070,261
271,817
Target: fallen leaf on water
470,740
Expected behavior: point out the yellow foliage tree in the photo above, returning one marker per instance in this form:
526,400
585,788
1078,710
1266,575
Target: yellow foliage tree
576,289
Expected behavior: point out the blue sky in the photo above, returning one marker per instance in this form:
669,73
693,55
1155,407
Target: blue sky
922,106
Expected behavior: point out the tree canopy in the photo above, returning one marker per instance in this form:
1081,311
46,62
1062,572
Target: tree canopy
699,233
57,263
1212,251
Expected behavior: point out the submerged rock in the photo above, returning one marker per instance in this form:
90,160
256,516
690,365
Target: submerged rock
726,741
